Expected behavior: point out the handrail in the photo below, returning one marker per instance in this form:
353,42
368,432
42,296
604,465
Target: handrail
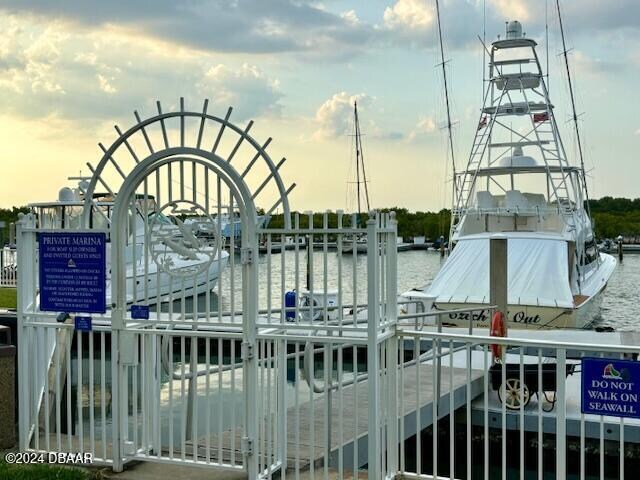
514,341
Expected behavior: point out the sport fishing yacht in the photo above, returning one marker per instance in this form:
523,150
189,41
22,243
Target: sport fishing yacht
519,183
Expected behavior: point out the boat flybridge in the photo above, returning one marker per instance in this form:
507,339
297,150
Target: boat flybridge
157,243
518,183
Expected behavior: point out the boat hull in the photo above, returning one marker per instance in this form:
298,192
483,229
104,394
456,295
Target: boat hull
528,317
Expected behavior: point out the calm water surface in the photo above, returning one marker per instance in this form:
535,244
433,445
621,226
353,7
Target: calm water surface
620,306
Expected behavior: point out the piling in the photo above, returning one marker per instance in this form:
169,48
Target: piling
620,247
498,272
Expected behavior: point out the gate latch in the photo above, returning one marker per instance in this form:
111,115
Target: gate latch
246,351
246,446
246,256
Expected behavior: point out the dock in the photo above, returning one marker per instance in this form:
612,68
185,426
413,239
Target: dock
307,428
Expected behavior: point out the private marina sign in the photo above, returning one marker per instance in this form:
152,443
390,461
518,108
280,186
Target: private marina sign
611,387
72,272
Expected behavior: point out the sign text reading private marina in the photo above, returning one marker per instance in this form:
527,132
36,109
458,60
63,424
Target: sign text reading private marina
611,387
72,272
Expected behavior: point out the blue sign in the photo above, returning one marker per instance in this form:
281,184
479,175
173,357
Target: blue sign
72,272
83,324
611,387
140,312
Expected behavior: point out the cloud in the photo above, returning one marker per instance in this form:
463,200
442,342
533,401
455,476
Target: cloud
411,14
247,26
334,117
105,86
424,127
415,21
89,76
248,89
584,63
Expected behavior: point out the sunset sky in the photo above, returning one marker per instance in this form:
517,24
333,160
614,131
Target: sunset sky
70,70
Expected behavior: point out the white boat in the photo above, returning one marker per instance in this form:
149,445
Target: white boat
173,251
519,183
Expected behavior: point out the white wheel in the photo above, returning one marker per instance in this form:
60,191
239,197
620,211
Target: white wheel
514,394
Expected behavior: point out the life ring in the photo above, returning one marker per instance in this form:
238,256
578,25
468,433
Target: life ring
498,329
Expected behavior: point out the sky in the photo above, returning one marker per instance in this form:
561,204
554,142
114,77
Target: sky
71,70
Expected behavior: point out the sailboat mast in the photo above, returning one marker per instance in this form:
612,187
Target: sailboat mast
446,96
364,170
357,136
573,106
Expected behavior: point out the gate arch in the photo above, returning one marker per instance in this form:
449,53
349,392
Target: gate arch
239,189
112,169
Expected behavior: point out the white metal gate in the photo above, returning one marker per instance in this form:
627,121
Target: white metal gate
178,265
176,195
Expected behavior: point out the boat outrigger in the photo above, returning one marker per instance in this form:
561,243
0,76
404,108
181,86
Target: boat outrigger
519,183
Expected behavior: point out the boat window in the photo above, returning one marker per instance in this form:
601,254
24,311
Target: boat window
590,252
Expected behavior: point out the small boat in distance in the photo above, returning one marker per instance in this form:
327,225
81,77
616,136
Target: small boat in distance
519,183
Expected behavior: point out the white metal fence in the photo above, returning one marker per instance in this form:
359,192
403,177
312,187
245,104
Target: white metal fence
524,420
8,267
343,389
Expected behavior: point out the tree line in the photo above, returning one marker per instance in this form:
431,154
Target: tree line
611,217
616,216
410,224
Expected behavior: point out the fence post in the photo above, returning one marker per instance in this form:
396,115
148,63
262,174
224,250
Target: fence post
373,364
26,251
250,352
391,317
561,408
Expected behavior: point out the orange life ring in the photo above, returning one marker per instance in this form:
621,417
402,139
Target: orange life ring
498,329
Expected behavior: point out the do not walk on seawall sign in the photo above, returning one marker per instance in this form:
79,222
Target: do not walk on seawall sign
611,387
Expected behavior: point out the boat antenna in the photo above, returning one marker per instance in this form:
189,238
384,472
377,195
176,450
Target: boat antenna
546,32
446,97
565,53
357,129
360,152
484,42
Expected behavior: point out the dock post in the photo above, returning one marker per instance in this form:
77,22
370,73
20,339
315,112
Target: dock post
620,247
498,278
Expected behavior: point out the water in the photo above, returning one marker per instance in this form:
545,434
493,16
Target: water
620,306
416,268
620,311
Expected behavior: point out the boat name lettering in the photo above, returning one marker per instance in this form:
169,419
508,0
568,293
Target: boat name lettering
476,317
482,316
521,317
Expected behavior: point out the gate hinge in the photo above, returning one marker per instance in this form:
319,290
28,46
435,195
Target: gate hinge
246,256
246,351
246,446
